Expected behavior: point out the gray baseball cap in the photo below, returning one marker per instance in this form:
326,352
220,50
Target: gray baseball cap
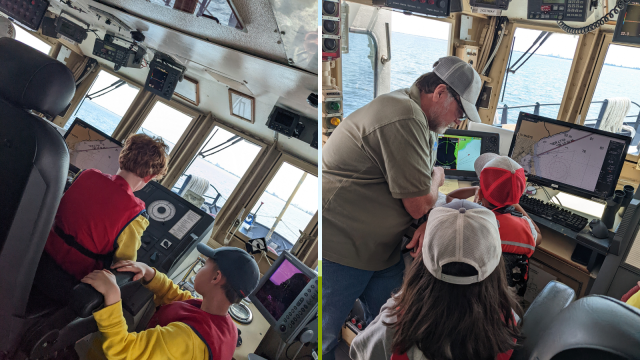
464,80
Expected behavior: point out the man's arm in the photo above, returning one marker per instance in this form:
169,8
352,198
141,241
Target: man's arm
419,206
163,288
539,235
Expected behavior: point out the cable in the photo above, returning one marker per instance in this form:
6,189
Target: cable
620,4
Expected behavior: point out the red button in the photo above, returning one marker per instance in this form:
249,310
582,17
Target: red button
431,2
423,1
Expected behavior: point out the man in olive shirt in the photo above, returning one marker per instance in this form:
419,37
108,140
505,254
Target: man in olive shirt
377,176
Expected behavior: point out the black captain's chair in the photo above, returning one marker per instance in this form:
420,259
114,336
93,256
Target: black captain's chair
34,162
594,327
33,168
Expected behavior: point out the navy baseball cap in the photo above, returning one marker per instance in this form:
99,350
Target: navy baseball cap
237,266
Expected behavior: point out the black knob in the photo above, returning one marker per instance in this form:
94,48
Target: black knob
330,45
283,328
330,26
442,3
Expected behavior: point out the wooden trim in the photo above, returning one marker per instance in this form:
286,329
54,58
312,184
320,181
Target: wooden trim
253,105
197,102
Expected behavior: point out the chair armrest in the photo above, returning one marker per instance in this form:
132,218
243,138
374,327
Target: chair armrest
541,313
85,299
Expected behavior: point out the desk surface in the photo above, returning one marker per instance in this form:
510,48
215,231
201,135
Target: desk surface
252,334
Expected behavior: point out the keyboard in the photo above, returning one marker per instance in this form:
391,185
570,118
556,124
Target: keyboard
553,213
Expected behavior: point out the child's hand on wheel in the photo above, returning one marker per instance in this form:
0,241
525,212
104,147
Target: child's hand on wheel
105,282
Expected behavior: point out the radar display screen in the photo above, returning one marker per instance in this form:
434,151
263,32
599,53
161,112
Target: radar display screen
557,154
282,288
457,152
158,76
90,148
628,24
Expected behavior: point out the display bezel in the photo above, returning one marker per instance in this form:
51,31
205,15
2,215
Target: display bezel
566,187
295,262
467,133
624,39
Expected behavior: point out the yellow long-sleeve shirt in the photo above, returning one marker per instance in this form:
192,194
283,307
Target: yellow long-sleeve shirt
174,341
634,300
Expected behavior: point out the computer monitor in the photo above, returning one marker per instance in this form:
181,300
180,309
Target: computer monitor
457,150
287,296
90,148
628,24
572,158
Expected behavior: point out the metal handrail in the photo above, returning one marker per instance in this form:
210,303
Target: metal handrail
536,111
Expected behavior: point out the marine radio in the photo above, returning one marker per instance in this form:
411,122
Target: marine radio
119,55
164,74
27,12
565,10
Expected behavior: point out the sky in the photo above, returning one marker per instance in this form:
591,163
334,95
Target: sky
558,44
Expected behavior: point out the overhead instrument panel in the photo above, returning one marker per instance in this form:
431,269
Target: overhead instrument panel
427,7
27,12
565,10
164,74
175,227
119,55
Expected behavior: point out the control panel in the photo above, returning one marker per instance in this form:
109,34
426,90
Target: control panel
70,29
565,10
175,228
27,12
285,122
427,7
163,77
332,112
330,29
304,307
119,55
490,4
457,150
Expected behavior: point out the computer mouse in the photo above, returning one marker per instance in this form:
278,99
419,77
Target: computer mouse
599,229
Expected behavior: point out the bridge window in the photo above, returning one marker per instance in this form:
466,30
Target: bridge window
539,80
284,209
25,37
106,102
416,44
166,122
222,162
357,72
616,85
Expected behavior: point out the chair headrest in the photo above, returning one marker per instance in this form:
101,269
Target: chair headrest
593,322
32,80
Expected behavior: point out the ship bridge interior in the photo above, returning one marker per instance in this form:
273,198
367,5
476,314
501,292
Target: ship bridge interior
240,64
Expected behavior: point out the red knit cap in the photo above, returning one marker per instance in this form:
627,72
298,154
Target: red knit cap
502,181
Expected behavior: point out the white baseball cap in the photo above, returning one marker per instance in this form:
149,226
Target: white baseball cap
465,232
464,80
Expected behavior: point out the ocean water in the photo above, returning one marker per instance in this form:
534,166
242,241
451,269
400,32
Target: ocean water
295,218
542,79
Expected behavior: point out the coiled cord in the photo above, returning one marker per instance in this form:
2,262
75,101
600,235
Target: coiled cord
596,24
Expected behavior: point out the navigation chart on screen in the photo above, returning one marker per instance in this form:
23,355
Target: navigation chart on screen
566,155
457,152
90,150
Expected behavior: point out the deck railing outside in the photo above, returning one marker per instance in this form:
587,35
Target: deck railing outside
632,120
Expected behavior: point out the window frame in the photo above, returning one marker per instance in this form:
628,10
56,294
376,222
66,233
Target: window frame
597,72
311,169
243,179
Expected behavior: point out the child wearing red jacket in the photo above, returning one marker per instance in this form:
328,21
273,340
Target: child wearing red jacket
502,183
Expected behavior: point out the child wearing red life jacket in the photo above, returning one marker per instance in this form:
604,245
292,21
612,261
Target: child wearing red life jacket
454,302
99,220
182,328
502,183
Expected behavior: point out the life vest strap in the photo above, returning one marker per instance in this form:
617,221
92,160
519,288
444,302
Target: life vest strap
71,241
